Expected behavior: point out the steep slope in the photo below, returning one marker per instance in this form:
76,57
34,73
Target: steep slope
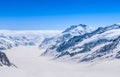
101,43
54,42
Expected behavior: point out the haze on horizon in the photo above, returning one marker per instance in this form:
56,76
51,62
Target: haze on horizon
57,14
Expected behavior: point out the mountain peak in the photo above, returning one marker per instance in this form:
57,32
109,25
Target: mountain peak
82,26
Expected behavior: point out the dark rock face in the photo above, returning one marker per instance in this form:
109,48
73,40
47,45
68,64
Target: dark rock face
4,60
118,55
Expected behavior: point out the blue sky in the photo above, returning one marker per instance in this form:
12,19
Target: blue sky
57,14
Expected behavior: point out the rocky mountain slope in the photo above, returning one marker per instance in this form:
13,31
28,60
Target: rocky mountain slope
101,43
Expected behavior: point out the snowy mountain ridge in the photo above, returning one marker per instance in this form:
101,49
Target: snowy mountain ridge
70,32
101,43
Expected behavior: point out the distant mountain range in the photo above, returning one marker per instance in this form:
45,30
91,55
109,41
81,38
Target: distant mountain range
83,44
9,39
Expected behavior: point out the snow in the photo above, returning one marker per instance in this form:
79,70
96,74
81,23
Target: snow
31,64
111,34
